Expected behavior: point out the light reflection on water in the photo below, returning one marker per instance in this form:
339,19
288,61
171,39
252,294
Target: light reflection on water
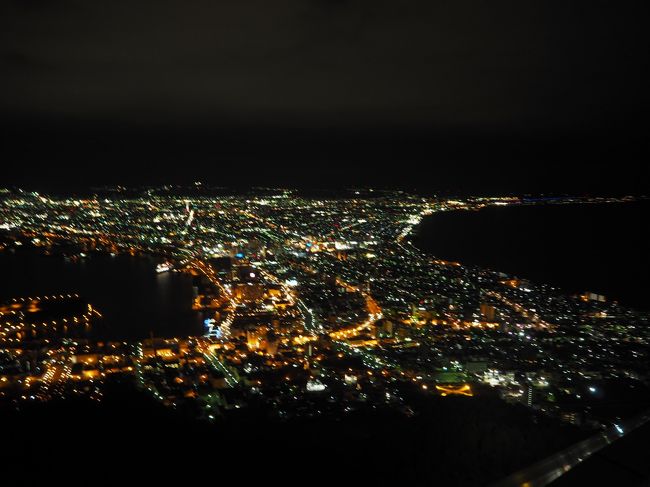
133,299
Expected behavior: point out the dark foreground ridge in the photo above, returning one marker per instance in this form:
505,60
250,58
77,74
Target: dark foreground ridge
130,436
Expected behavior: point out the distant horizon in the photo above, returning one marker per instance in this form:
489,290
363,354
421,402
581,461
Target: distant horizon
313,191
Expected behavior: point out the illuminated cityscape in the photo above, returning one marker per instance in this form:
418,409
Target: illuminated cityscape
349,243
312,307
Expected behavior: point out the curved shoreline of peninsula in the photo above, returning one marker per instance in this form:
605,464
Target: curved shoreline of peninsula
577,247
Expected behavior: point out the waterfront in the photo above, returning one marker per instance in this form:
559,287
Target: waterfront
317,311
580,247
134,300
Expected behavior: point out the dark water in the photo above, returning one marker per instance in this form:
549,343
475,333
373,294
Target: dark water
601,248
133,299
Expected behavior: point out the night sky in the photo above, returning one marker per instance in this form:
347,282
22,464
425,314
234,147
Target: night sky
462,95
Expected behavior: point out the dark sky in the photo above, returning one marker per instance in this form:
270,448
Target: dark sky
460,94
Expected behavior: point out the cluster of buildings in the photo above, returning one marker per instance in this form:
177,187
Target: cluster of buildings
320,306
